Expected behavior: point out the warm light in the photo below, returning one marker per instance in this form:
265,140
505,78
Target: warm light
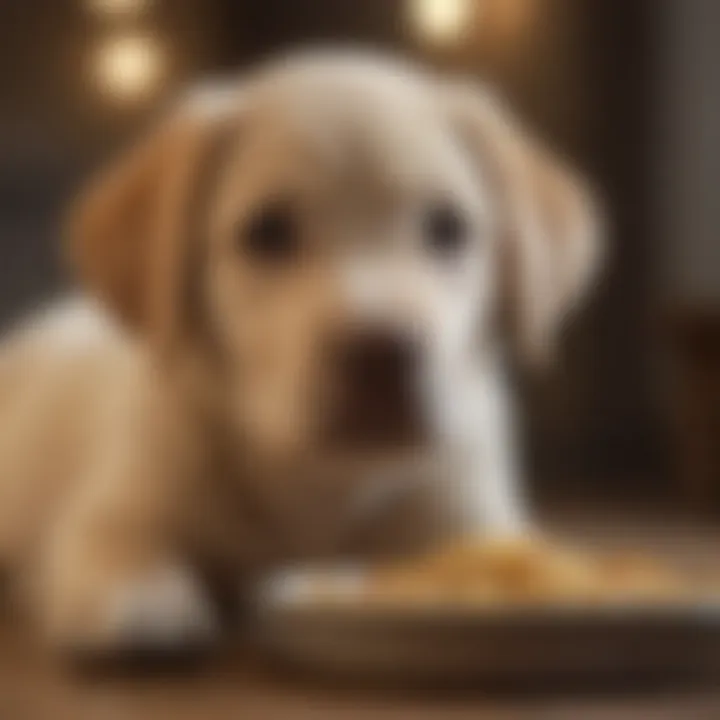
129,68
440,21
118,7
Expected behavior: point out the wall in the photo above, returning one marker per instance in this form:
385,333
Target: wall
689,151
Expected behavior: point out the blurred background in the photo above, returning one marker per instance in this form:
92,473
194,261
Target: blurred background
628,90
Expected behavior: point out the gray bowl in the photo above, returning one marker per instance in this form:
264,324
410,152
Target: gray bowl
470,644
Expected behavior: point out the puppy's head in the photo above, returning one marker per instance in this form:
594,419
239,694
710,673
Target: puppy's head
336,239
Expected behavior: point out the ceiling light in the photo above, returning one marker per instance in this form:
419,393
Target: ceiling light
129,68
440,21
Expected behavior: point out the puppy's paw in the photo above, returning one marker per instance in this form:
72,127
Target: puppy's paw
160,615
166,611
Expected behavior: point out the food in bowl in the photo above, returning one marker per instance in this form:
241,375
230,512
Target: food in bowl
514,572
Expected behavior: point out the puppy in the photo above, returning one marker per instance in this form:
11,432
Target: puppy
302,290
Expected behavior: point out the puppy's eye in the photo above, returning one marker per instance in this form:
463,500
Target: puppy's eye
445,229
271,235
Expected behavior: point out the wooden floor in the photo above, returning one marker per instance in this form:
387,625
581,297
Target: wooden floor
34,686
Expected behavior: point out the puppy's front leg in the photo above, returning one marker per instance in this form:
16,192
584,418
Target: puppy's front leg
113,578
489,496
112,584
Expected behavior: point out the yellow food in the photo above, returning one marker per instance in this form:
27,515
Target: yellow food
519,572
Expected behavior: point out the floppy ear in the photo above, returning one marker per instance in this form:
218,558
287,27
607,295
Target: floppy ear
130,232
548,220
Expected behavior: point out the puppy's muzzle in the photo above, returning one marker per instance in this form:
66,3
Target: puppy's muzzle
376,400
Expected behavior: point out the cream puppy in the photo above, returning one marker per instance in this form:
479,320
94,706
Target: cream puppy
304,286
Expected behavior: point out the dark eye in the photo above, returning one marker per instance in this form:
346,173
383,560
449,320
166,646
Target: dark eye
271,235
445,229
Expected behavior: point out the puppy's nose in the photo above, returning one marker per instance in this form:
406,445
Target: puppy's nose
376,372
377,360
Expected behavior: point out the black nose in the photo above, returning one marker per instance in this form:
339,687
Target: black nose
376,372
377,360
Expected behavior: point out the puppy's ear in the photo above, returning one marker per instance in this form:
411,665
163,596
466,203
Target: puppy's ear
129,232
549,222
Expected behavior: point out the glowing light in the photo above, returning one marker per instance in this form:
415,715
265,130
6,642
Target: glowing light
118,7
441,21
129,68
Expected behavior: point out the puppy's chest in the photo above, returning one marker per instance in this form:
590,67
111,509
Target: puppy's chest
256,521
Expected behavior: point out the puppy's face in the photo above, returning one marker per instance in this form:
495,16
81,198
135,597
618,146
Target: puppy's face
350,247
339,237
